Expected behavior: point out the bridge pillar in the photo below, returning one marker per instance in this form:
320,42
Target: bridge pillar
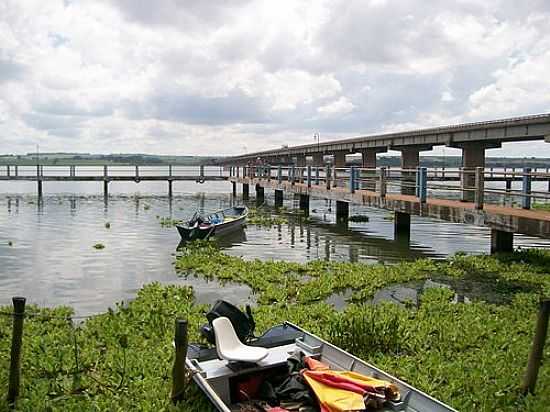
342,211
401,225
304,203
278,198
410,159
246,191
340,159
369,162
501,241
318,159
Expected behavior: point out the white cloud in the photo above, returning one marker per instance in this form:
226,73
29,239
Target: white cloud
120,75
337,107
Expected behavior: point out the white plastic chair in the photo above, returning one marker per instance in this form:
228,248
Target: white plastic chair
229,346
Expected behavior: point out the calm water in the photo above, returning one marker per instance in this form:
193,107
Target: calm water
51,259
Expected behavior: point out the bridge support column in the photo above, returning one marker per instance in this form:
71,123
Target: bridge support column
304,203
402,225
340,159
342,211
369,162
410,159
246,191
278,198
501,241
318,159
259,193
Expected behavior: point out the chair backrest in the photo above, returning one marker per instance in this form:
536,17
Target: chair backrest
226,338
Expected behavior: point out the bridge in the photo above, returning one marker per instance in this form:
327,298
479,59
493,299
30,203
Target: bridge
406,191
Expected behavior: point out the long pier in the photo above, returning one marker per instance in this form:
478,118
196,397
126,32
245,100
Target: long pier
107,174
408,192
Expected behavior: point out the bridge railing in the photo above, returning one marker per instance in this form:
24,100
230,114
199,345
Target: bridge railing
135,171
479,186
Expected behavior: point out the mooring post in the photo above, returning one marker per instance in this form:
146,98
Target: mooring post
480,188
179,380
382,182
16,343
526,188
535,356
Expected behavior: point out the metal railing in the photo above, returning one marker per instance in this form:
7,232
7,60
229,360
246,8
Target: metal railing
475,184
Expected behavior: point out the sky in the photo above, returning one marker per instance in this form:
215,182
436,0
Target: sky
226,77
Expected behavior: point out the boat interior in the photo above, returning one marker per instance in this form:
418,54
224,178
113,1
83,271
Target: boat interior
220,378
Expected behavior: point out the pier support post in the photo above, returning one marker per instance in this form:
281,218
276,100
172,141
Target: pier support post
402,225
234,188
246,191
170,192
342,211
278,198
501,241
39,188
16,344
259,193
304,203
105,189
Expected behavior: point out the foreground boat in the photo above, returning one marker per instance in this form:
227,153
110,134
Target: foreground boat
217,223
227,382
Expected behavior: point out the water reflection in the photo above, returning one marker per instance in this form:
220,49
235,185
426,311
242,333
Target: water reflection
47,254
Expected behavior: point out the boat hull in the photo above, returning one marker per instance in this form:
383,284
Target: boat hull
238,220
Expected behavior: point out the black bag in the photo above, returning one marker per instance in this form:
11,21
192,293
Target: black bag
243,323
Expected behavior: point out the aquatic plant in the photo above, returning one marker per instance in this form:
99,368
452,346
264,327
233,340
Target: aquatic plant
99,246
168,221
262,217
541,206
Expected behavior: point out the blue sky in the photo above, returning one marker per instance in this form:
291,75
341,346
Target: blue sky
223,77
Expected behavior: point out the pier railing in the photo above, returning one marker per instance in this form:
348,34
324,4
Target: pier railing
510,187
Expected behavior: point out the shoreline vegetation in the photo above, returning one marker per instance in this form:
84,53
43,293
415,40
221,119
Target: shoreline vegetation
471,356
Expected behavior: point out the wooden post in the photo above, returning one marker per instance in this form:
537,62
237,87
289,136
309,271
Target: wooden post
137,172
352,179
422,184
170,170
170,188
17,171
309,176
8,168
480,188
16,343
317,176
535,357
179,380
327,176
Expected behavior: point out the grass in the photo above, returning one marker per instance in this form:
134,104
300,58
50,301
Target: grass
541,206
471,356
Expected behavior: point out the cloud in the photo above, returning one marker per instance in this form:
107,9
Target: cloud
128,76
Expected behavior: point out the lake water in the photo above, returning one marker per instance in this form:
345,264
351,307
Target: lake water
47,253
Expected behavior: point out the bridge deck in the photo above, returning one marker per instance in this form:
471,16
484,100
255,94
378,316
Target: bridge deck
507,219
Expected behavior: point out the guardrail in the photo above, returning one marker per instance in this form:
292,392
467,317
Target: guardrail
414,182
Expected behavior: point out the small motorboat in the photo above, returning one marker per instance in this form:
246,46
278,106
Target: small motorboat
216,223
235,372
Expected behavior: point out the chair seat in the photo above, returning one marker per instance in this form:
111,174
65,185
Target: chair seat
230,348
